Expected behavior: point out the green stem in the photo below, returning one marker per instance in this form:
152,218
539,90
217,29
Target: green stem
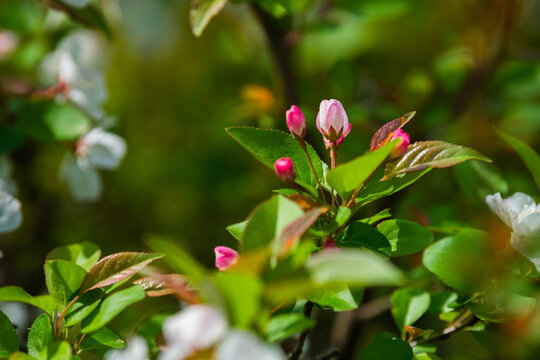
297,351
61,318
314,173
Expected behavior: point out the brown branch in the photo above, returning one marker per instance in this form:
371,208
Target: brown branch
297,351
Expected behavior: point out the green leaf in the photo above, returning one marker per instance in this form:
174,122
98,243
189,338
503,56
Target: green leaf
477,180
387,347
116,267
460,261
381,215
202,11
290,235
57,351
21,356
84,254
239,293
89,15
63,280
16,294
110,307
438,154
178,259
426,356
353,267
46,120
406,237
269,145
527,154
441,301
346,177
379,189
283,326
237,230
9,342
340,298
83,307
40,335
103,338
268,221
408,305
363,235
10,138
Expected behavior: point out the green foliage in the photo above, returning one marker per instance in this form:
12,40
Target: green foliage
14,293
269,145
438,154
63,280
406,237
40,335
84,254
408,305
103,338
387,347
57,351
283,326
237,230
202,11
83,306
460,261
9,342
338,298
361,234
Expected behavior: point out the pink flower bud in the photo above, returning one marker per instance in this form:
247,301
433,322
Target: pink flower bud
332,120
296,122
225,257
329,245
401,147
329,143
284,169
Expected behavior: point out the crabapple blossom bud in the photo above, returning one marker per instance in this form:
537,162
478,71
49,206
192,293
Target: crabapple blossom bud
225,257
330,245
284,169
401,148
332,120
296,122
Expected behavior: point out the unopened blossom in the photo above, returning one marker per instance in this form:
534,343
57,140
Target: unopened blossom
401,147
296,122
332,120
77,65
284,169
10,212
136,349
338,143
225,257
330,245
244,345
196,328
522,215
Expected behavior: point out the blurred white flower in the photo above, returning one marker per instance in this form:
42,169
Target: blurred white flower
78,63
6,182
196,328
98,149
10,212
243,345
522,214
136,349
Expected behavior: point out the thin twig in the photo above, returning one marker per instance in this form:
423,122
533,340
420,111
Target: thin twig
465,319
315,173
297,351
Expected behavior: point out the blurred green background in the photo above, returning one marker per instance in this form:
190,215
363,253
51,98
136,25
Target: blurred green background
465,66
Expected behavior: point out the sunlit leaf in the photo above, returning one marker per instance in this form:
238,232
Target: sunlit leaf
406,237
283,326
9,342
383,135
408,305
339,298
83,307
362,235
237,229
202,11
103,338
438,154
16,294
167,284
40,335
297,228
63,280
84,254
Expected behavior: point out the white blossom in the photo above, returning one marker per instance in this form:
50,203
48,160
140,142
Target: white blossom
244,345
103,149
82,178
10,212
522,214
136,349
6,182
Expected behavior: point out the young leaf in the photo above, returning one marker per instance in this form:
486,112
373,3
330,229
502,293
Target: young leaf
381,215
460,261
383,135
406,237
103,338
21,356
269,145
40,335
57,351
237,229
283,326
340,298
408,305
346,177
83,307
379,189
16,294
363,235
63,280
178,259
526,153
9,342
84,254
297,228
110,307
387,347
202,11
268,221
438,154
116,267
168,284
353,267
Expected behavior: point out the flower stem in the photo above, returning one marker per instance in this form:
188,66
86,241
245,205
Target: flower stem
333,154
314,173
297,351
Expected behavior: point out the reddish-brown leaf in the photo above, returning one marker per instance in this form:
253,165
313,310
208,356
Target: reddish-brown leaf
298,227
114,268
168,284
384,134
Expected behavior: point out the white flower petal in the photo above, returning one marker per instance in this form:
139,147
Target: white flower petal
83,180
10,212
6,183
500,208
243,345
105,150
528,246
136,349
197,327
